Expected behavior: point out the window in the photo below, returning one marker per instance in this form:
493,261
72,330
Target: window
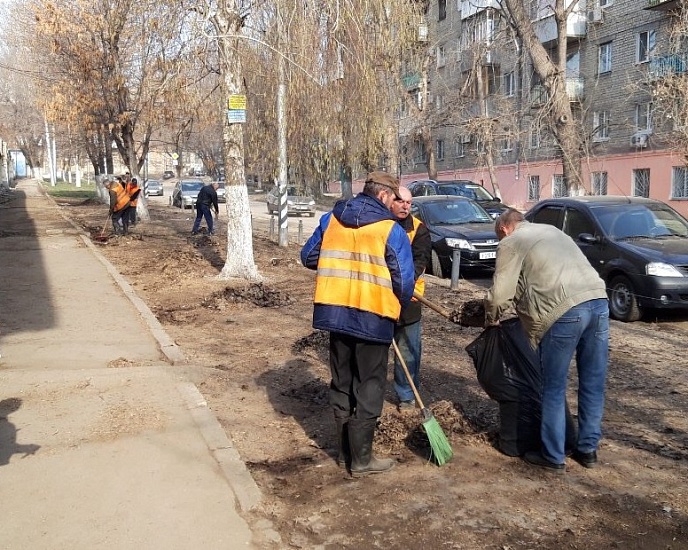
600,125
403,109
420,156
510,84
534,137
459,148
643,118
605,3
576,223
559,186
441,56
641,182
506,144
599,183
533,188
442,7
679,182
551,215
604,58
644,46
439,102
439,149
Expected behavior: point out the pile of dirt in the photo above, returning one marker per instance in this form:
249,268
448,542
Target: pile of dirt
257,294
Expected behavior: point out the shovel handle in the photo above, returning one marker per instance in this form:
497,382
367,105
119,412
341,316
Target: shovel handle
437,308
407,373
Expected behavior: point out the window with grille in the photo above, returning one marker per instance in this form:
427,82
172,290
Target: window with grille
641,182
599,183
679,182
533,188
604,58
559,186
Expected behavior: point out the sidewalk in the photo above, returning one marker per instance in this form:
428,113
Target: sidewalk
103,443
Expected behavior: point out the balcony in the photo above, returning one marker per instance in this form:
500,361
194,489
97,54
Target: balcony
662,66
575,89
662,5
576,27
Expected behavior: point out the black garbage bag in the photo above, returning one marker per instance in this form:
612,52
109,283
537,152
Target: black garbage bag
508,369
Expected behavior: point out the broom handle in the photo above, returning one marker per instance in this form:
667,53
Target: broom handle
407,373
437,308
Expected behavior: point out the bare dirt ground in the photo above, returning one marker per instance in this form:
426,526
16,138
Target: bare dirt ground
264,372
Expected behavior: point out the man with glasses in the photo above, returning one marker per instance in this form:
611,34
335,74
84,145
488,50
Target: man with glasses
407,333
364,276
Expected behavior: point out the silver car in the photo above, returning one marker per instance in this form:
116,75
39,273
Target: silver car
185,193
153,188
299,201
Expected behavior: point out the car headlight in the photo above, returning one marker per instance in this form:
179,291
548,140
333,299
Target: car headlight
659,269
459,243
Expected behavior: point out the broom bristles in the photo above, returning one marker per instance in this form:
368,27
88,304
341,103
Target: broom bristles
439,444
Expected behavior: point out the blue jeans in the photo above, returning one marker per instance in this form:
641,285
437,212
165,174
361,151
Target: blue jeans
203,211
408,340
583,329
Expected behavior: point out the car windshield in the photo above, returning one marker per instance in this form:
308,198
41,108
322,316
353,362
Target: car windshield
192,186
454,213
469,190
641,221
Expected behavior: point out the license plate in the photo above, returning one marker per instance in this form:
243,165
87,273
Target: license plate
488,255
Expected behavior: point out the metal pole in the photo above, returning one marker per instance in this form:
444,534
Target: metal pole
456,265
282,137
300,235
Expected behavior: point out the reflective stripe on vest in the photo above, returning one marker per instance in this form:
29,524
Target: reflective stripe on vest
352,271
420,282
122,197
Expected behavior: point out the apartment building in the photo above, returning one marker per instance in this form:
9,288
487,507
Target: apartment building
487,109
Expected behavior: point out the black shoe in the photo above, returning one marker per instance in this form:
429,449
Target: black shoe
536,459
587,460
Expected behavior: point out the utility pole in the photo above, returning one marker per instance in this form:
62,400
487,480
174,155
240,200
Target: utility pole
282,137
49,154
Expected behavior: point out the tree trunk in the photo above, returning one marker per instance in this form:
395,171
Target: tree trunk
239,262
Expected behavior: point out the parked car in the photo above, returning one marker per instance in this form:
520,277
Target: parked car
168,174
460,188
299,201
639,247
457,222
221,192
185,193
154,188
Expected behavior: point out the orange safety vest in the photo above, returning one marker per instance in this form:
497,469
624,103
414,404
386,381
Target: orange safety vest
352,271
122,197
420,282
131,188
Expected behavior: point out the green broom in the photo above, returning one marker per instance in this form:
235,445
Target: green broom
441,449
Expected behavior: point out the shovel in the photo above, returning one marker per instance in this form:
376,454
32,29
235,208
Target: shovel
470,314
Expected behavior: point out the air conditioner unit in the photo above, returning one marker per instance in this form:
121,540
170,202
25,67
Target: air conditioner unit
639,139
595,15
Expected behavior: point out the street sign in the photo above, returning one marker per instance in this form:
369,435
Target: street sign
236,116
236,101
175,156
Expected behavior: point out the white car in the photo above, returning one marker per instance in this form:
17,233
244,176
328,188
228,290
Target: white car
299,201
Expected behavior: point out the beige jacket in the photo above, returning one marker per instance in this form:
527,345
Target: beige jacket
544,274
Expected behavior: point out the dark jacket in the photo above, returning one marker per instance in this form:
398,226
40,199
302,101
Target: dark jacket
207,196
360,211
421,247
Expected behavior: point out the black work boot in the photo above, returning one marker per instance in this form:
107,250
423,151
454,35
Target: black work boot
363,463
344,456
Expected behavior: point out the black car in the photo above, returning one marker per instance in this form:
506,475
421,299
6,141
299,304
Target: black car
167,174
457,223
639,247
459,188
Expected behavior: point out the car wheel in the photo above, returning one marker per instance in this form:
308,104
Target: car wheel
436,265
312,214
623,303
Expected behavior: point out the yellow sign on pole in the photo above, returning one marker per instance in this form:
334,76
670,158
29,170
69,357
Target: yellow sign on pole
237,101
